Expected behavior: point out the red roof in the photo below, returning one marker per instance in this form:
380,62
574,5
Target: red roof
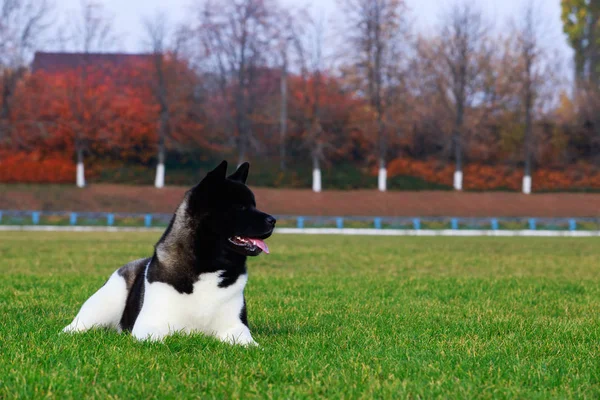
57,62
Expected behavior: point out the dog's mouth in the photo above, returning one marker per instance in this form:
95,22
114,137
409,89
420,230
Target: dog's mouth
248,246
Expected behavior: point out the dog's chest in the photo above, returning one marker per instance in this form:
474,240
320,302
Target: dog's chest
204,309
208,295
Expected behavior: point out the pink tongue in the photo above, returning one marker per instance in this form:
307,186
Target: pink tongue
260,244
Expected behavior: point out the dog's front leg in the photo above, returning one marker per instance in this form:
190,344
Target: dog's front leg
152,333
161,314
228,323
238,334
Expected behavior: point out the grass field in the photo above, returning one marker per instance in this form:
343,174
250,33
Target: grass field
336,317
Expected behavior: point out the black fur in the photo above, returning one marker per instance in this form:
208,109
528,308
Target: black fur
133,305
131,270
133,273
244,314
197,239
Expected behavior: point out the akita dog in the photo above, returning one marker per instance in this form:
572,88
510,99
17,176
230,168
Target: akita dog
195,280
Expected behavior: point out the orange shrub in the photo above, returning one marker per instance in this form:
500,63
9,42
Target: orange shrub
487,177
31,168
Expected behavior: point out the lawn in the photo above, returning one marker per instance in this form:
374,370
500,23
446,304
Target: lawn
336,317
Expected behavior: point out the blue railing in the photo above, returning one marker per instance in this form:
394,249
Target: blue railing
12,217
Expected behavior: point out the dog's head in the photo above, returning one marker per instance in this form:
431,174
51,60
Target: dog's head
227,210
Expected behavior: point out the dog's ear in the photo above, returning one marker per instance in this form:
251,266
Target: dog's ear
203,193
213,177
241,175
219,172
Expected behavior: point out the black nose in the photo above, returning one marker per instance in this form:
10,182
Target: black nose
271,221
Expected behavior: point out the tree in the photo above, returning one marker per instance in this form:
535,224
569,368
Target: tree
376,29
286,34
581,23
531,73
22,25
462,46
78,116
157,31
284,105
173,87
309,50
237,37
91,31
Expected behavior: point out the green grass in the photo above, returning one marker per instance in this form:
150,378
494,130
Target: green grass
336,317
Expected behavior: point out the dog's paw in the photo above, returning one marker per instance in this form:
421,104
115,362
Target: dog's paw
237,336
69,329
239,341
150,334
74,327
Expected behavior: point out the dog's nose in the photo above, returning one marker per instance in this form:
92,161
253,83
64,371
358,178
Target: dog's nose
271,221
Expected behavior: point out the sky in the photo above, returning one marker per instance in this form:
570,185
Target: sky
424,13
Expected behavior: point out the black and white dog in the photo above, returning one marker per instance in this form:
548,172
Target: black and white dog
195,280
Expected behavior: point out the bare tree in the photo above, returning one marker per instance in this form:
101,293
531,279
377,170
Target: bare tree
284,105
463,47
157,32
22,25
531,74
286,36
308,46
91,30
376,30
238,37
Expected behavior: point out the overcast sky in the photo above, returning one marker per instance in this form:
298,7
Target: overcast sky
425,13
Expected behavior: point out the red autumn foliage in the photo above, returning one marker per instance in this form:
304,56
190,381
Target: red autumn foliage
339,113
108,110
113,111
479,176
33,168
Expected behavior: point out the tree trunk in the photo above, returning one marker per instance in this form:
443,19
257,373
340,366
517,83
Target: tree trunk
382,176
6,94
456,138
527,184
316,182
159,181
528,138
593,47
527,172
242,145
283,114
240,103
242,128
377,98
458,174
80,179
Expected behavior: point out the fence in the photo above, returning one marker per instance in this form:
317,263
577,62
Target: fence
12,218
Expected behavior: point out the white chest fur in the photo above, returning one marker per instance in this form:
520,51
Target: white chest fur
209,309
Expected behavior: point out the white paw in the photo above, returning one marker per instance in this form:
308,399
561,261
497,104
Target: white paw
74,327
149,333
238,336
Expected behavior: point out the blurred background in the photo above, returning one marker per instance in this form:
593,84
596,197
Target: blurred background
322,95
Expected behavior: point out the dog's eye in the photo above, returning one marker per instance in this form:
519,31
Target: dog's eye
240,207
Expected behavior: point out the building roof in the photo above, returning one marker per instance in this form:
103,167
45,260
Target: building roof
57,62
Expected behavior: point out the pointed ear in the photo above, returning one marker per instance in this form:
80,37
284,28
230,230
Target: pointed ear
203,194
241,175
219,172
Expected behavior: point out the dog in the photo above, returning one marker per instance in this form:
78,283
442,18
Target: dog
195,280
